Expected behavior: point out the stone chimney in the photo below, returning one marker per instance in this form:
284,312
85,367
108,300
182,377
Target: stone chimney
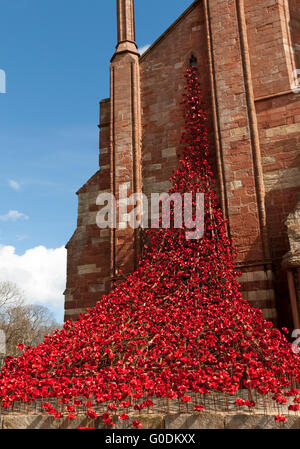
126,26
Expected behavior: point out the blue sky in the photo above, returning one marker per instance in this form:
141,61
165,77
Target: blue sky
56,58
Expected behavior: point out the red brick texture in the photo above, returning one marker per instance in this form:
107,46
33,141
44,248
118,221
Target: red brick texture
246,53
294,22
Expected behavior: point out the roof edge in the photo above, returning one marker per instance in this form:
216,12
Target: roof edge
170,28
88,182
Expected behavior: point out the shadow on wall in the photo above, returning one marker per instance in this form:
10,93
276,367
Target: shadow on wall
280,201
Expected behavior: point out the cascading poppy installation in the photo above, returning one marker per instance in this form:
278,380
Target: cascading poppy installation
176,333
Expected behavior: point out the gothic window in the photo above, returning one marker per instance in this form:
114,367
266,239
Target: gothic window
193,62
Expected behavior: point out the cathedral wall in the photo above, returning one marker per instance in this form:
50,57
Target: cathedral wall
279,126
162,71
294,10
272,36
279,123
269,46
88,265
162,85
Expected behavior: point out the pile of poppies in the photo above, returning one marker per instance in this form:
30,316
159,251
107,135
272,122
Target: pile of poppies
176,328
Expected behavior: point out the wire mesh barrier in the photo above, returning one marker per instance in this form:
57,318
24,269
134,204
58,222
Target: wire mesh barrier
215,402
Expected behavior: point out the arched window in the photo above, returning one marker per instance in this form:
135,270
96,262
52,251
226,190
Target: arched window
193,62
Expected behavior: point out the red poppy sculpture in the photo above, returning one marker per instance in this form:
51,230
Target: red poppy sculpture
176,329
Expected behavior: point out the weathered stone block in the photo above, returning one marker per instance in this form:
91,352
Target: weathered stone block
238,132
195,421
244,421
151,421
29,422
169,152
283,130
282,179
87,269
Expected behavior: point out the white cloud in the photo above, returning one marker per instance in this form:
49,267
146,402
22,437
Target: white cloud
14,184
40,273
143,49
13,215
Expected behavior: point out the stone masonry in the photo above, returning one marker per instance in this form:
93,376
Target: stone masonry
185,421
247,55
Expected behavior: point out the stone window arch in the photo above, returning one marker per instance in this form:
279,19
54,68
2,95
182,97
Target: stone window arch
193,62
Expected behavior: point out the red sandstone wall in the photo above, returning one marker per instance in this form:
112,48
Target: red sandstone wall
295,29
278,114
279,122
161,70
88,267
162,85
268,42
125,148
272,63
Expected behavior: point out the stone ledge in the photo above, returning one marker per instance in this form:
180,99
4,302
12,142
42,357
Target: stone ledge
151,421
291,260
246,421
195,421
202,420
